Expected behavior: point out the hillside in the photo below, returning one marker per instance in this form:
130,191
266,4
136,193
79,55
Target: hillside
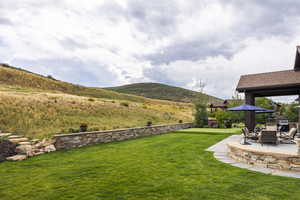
14,77
165,92
37,106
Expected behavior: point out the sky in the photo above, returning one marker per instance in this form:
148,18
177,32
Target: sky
106,43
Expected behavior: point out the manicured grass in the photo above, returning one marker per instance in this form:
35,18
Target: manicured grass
170,166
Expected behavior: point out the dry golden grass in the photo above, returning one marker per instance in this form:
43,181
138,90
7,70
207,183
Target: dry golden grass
36,114
37,106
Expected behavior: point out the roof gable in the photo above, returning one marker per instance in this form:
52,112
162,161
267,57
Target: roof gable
269,80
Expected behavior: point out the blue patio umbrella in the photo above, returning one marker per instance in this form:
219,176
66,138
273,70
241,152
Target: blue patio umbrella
264,111
247,107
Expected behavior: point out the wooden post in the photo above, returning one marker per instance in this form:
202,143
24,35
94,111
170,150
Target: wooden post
250,115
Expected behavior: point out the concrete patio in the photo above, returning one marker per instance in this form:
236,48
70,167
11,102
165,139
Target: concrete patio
222,153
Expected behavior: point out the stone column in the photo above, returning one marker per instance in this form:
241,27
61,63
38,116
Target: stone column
250,115
298,115
298,144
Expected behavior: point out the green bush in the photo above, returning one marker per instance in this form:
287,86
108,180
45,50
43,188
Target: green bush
291,112
201,115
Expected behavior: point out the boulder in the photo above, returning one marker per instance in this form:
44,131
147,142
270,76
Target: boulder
38,153
7,149
14,136
16,157
2,158
24,143
50,148
17,140
4,134
25,149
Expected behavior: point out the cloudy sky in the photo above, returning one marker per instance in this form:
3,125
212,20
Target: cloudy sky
107,43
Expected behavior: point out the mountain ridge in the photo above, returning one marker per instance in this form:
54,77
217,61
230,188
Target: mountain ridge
164,92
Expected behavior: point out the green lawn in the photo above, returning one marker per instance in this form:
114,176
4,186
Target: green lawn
170,166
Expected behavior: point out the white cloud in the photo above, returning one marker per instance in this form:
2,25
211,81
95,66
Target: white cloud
175,42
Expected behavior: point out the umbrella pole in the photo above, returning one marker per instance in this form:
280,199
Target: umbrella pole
245,137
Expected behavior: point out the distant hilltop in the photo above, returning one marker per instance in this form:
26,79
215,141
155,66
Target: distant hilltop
164,92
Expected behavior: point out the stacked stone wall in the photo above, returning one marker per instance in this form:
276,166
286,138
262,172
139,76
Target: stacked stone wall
75,140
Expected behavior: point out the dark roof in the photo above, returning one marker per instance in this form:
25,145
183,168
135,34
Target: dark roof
279,79
297,59
224,104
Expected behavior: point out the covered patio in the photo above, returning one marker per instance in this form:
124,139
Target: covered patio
279,83
267,151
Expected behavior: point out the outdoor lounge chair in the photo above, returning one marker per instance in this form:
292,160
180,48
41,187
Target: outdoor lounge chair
248,135
289,137
268,137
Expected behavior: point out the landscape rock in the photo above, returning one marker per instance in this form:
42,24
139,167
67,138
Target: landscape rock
16,157
25,149
24,143
50,148
2,158
4,134
14,136
17,140
38,153
7,149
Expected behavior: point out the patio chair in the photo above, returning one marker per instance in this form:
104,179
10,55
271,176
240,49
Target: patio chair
248,135
268,137
289,137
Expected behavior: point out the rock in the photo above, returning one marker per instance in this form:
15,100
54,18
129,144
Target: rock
38,153
16,157
7,148
25,149
17,140
2,158
4,134
50,148
47,142
24,143
14,136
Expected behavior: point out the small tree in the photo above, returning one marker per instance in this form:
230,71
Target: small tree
201,115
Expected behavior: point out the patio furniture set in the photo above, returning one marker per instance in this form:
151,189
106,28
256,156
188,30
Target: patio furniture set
269,136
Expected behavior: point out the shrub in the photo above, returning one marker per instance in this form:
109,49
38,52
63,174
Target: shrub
201,116
73,130
125,104
51,77
180,121
93,129
91,99
149,123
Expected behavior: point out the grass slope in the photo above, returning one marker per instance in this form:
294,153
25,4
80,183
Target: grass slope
37,106
173,166
19,79
36,114
162,91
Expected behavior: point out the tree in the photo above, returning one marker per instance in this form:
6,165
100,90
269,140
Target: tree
264,103
201,115
291,112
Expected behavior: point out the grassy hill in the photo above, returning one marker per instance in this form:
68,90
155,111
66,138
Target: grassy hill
14,77
37,106
165,92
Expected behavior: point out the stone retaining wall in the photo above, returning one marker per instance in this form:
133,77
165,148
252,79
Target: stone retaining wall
75,140
273,160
